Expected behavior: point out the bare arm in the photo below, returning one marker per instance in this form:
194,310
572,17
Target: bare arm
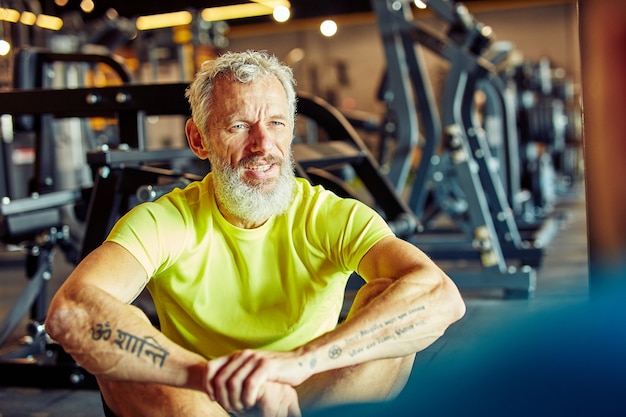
410,303
91,318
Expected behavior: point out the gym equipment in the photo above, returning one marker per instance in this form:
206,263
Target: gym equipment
37,360
549,130
471,218
36,223
38,69
122,175
34,216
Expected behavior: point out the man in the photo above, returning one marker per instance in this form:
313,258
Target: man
247,269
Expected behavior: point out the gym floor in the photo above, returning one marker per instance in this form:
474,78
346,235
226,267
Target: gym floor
561,280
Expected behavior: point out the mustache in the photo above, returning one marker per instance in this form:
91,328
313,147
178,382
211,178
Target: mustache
253,159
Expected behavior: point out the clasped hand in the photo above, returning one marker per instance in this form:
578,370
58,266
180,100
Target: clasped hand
259,380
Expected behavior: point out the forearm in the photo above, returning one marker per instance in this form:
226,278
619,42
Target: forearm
116,340
391,319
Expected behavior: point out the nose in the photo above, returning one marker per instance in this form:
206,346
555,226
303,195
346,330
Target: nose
260,139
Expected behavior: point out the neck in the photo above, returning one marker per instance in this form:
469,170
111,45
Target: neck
238,221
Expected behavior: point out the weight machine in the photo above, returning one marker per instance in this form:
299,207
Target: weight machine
128,174
36,223
457,192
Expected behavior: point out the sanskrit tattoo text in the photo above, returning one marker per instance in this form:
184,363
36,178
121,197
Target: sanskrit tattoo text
139,346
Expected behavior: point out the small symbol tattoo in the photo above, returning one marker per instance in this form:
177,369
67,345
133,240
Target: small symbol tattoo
334,352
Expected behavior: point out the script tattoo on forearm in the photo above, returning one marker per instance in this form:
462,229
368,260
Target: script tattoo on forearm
147,346
377,327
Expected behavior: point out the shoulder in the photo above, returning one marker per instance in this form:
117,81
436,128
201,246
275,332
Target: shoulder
316,197
307,193
318,206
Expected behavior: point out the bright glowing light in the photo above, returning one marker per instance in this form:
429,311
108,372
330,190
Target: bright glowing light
9,15
60,3
87,6
49,22
328,28
235,11
240,11
28,18
419,4
164,20
281,14
5,47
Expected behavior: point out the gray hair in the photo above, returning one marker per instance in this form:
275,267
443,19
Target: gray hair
243,67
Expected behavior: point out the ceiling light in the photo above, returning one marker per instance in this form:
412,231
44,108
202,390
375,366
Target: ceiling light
9,15
240,11
28,18
5,47
87,6
45,21
164,20
419,4
328,28
281,14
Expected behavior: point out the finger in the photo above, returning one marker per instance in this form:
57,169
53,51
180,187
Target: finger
213,367
229,380
219,381
237,386
294,410
253,384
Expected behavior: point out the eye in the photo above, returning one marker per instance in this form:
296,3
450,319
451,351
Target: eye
238,126
277,123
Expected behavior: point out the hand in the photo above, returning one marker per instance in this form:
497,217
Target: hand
276,400
238,381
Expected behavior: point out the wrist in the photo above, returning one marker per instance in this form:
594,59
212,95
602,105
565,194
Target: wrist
197,377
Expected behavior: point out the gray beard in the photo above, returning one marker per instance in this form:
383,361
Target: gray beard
250,202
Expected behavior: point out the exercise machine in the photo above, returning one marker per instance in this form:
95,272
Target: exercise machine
457,190
130,173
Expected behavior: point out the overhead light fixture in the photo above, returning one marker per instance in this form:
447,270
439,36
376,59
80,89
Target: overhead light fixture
164,20
28,18
45,21
5,47
281,14
328,28
9,15
419,4
87,6
240,11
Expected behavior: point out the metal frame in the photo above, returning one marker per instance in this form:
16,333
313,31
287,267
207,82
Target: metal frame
31,69
489,233
35,360
118,173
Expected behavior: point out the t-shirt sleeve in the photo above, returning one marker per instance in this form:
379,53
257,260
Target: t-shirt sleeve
151,232
348,229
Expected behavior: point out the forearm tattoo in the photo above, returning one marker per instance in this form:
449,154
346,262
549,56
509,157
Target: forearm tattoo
146,346
334,352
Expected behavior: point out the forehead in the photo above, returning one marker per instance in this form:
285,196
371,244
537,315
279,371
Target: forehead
263,89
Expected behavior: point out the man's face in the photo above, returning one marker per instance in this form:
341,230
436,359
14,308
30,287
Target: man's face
250,129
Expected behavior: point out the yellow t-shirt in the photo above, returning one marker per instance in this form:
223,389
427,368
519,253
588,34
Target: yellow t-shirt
218,288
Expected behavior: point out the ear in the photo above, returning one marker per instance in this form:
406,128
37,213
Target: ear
194,138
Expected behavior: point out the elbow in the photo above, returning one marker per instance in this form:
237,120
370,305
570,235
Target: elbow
459,309
59,322
55,323
455,304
